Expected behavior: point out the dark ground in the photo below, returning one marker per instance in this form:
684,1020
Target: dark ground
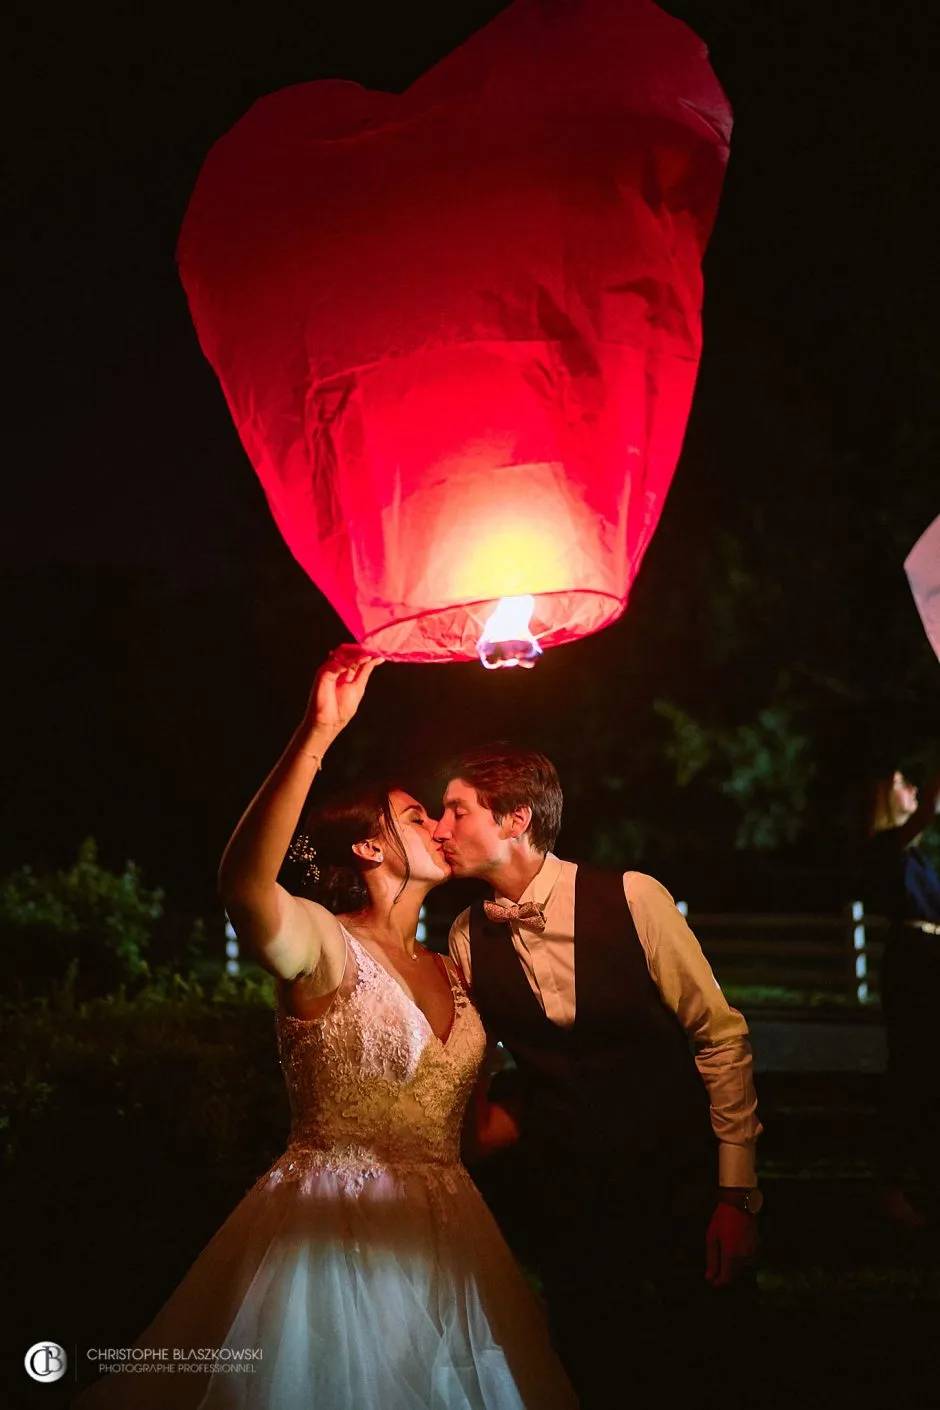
849,1307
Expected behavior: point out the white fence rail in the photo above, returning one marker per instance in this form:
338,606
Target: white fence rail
837,954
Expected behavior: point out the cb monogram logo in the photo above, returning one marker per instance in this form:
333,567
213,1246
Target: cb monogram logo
46,1362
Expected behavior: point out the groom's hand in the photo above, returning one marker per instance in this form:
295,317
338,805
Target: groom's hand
731,1244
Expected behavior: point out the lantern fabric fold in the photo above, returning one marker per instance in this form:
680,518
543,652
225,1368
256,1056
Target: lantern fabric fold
458,328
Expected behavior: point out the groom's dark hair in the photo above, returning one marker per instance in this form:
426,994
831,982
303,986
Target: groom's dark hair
506,778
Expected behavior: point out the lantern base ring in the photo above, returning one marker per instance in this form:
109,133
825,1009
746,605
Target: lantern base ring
494,654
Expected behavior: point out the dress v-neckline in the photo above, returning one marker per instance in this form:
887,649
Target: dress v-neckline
404,992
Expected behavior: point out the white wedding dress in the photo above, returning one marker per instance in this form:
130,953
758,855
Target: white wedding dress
363,1266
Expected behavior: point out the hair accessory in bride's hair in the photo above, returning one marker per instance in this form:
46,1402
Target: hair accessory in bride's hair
303,852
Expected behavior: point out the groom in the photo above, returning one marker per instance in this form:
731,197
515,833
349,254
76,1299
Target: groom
638,1117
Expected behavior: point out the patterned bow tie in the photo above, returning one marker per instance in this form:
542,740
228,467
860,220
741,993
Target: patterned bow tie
530,914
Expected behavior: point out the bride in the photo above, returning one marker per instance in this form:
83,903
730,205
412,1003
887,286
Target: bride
362,1271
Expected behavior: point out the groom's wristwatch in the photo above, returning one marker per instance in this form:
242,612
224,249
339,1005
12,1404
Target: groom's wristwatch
749,1201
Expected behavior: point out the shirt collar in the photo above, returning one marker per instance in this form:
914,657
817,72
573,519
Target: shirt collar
541,886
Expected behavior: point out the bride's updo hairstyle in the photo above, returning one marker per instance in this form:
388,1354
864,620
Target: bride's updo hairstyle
334,874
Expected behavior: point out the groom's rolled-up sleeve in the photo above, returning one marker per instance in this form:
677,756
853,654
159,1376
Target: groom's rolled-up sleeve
718,1032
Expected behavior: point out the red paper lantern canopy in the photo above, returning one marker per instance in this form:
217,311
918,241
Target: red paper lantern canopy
458,328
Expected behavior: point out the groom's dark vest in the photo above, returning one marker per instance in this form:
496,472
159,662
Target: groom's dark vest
620,1086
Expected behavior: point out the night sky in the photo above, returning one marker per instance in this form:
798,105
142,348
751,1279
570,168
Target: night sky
160,639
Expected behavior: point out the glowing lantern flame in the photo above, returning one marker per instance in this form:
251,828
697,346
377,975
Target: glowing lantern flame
507,639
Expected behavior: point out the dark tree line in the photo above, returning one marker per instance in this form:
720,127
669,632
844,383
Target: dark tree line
160,641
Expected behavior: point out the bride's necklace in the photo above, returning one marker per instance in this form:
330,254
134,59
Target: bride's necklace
416,956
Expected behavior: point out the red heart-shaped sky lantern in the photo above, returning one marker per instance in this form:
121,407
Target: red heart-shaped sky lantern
458,328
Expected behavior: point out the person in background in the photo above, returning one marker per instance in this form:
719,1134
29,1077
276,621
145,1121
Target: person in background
902,885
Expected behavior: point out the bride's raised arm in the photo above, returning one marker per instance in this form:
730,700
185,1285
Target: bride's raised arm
286,932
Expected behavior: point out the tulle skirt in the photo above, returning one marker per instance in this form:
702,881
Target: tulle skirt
334,1291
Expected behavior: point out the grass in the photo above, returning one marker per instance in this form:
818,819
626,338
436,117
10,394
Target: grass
792,1287
778,996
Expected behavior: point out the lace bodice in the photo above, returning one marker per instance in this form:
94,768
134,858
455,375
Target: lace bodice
370,1084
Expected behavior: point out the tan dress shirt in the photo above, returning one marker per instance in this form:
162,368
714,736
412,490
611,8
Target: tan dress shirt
681,973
